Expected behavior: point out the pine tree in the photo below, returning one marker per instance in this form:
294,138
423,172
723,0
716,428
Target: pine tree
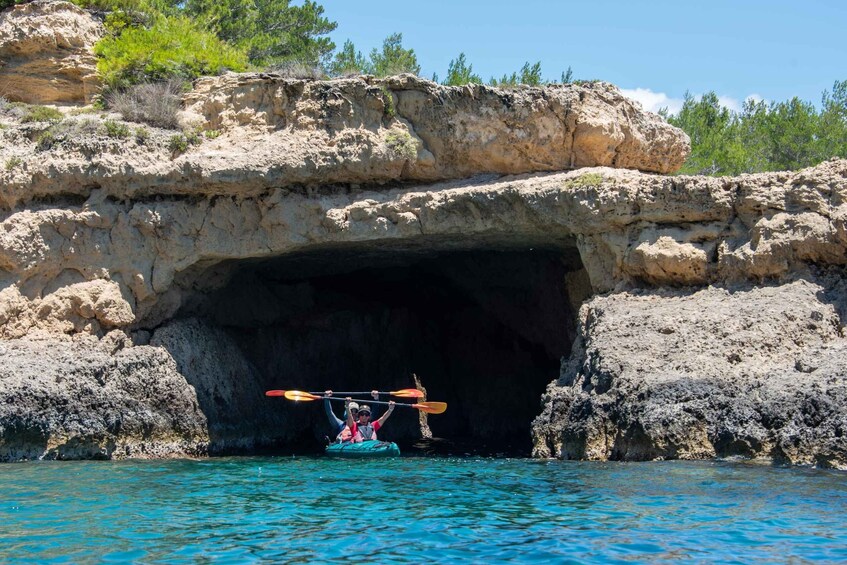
272,31
459,73
393,59
348,61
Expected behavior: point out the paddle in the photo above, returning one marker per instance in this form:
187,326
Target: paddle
429,407
402,393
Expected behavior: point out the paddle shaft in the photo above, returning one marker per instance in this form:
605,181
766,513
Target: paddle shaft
404,393
369,401
321,393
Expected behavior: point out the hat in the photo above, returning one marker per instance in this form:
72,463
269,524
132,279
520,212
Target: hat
365,408
353,406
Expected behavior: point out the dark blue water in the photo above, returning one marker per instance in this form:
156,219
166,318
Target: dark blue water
249,510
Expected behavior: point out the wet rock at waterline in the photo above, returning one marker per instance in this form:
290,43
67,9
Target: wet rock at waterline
742,371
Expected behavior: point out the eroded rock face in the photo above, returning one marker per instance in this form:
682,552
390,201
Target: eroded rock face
189,392
750,371
105,264
66,398
266,133
46,53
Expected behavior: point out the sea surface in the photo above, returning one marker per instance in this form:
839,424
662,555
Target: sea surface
417,509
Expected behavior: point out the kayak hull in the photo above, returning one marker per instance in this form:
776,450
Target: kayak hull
364,450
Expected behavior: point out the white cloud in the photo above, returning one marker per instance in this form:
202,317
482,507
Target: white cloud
653,101
755,98
729,102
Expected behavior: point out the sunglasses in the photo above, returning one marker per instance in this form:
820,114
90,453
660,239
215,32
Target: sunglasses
368,414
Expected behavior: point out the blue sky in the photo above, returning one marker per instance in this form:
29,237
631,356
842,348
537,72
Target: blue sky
654,50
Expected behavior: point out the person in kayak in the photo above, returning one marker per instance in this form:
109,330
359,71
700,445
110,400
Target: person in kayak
340,427
362,428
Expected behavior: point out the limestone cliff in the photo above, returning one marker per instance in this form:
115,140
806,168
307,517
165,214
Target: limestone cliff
46,53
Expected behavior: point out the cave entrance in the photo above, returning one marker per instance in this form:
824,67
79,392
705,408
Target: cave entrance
483,329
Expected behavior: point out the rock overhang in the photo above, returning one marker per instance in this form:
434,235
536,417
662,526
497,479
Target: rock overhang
629,228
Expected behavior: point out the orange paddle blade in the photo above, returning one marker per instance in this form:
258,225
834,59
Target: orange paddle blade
275,393
300,395
431,407
407,393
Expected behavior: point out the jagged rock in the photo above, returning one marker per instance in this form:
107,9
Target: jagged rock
72,398
692,374
69,398
46,53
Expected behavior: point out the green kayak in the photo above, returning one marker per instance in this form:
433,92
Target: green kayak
364,449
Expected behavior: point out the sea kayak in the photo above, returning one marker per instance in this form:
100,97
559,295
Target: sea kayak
363,449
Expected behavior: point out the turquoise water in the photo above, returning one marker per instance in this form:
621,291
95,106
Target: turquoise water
248,510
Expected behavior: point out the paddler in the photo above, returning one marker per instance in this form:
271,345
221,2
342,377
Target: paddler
361,427
340,427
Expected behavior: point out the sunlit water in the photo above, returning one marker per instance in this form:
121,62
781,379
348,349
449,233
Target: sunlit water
244,510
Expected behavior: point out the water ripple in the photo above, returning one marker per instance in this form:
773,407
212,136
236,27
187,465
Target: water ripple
253,510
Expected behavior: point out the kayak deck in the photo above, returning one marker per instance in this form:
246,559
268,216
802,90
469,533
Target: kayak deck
370,448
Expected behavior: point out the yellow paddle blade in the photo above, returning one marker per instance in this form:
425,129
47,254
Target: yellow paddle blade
300,395
431,407
407,393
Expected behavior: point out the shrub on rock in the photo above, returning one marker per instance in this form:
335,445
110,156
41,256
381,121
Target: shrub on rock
172,47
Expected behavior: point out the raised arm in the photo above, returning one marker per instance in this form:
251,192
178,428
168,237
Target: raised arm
333,419
385,416
350,422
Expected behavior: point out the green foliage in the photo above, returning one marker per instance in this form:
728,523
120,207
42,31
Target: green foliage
348,61
402,145
459,72
269,31
32,113
173,47
585,181
13,162
714,132
142,134
177,143
762,137
529,75
567,76
116,129
212,133
388,100
122,14
393,59
7,3
45,140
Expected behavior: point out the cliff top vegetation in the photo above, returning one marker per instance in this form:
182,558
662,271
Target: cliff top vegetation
166,40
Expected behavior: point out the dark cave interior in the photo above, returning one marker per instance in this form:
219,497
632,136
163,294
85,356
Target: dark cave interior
484,329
